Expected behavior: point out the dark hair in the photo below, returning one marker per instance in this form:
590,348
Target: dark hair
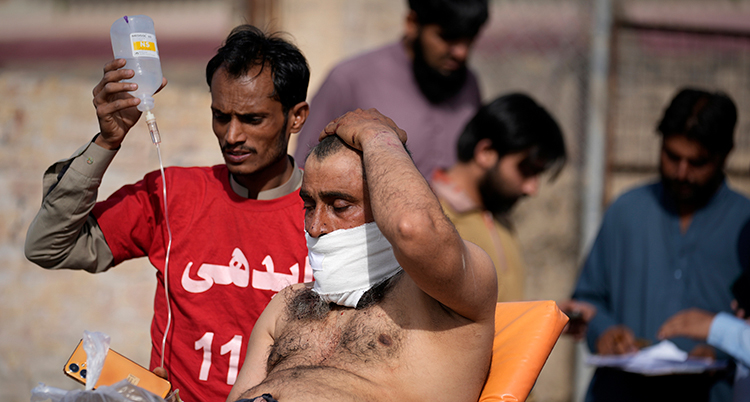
457,18
247,47
328,146
331,145
708,118
514,123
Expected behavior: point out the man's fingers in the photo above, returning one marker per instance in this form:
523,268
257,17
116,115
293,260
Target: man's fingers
161,372
693,323
354,126
112,76
625,343
668,329
108,92
605,346
112,65
106,109
616,340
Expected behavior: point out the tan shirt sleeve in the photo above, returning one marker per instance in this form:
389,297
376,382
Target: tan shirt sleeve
63,234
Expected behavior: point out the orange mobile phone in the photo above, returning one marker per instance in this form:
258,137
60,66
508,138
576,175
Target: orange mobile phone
116,368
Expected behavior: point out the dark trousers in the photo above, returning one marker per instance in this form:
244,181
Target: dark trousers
610,385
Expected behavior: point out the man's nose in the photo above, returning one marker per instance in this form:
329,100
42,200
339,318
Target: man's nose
234,133
317,225
682,170
531,186
460,50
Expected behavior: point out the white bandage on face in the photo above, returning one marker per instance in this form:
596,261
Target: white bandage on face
346,263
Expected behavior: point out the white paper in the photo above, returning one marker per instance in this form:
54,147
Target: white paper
660,359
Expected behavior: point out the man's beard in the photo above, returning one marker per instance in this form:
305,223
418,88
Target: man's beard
689,194
435,86
493,197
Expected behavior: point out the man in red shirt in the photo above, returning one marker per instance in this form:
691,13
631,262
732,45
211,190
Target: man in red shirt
234,234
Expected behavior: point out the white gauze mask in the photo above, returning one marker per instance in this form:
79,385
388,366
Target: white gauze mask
346,263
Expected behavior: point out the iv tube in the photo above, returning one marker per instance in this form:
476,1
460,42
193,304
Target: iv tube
156,139
169,247
154,131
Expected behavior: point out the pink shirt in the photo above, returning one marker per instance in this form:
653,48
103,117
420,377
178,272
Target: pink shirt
383,79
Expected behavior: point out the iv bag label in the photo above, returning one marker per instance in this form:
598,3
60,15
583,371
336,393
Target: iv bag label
144,45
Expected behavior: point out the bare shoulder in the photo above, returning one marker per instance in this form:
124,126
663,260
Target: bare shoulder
469,302
281,300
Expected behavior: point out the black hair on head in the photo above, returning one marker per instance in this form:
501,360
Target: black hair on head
457,18
328,146
514,123
708,118
247,47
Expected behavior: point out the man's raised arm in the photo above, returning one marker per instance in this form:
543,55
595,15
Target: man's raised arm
457,274
63,235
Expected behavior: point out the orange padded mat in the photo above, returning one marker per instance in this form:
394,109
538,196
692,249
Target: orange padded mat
525,333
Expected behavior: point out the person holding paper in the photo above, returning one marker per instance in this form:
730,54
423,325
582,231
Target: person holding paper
668,246
721,330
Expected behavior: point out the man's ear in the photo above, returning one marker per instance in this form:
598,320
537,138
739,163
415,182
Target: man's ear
297,116
411,27
484,155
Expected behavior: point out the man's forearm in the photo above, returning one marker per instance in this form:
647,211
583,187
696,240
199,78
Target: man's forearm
731,335
397,189
63,235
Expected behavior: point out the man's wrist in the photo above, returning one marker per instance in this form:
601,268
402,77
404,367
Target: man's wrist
100,141
93,161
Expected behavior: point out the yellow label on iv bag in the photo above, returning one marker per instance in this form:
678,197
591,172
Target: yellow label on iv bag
144,45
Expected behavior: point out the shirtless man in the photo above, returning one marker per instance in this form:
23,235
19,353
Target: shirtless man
422,330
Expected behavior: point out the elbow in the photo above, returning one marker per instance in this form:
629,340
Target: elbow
41,259
416,232
41,255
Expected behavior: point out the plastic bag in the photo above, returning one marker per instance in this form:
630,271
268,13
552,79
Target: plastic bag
96,345
122,391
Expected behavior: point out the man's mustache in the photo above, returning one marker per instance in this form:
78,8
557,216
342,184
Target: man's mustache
237,149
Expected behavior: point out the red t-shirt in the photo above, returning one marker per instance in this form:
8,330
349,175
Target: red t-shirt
229,256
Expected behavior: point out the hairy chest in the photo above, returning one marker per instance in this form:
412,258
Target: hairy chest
344,338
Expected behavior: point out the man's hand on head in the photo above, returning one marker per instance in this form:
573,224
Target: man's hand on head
616,340
358,126
692,323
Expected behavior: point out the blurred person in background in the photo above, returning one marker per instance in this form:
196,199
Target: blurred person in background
422,82
235,230
730,333
665,247
502,153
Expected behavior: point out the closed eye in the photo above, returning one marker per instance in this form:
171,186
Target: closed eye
340,205
252,119
220,117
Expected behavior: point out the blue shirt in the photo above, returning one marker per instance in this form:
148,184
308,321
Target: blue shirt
641,269
732,335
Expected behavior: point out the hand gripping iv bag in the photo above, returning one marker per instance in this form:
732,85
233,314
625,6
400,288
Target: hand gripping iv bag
133,39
